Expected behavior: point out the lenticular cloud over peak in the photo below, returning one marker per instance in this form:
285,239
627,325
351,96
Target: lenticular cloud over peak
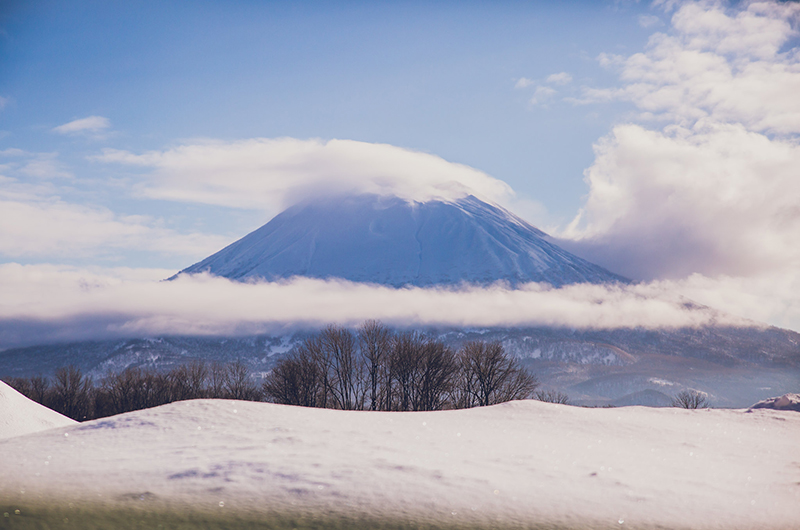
272,173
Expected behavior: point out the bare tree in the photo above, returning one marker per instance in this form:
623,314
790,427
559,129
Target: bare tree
72,393
39,387
132,389
405,365
343,368
215,385
188,381
238,384
552,396
295,380
690,399
35,388
375,343
489,376
437,374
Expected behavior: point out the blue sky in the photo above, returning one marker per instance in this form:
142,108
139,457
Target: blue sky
439,79
660,140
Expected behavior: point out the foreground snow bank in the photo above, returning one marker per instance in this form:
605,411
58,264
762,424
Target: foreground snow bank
784,402
19,415
517,464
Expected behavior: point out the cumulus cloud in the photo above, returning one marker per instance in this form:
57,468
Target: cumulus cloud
724,64
712,199
708,199
91,124
69,303
269,174
715,191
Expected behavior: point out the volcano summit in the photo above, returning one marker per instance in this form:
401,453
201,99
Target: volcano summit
390,241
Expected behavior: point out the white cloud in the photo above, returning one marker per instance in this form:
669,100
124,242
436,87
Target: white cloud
3,102
44,166
524,82
268,174
13,151
28,164
711,200
117,303
561,78
648,21
717,63
91,124
35,222
766,297
542,95
32,227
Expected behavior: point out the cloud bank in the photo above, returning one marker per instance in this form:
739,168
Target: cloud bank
270,174
67,303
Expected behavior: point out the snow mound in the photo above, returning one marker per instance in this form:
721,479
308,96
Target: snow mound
390,241
19,415
784,402
516,465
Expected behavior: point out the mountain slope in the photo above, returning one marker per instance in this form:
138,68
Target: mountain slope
389,241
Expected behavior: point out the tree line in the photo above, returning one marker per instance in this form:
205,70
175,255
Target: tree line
374,368
370,368
77,396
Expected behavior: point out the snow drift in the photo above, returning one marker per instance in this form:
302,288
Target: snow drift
784,402
19,415
520,464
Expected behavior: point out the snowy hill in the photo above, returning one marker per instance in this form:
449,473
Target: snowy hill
19,415
374,239
516,465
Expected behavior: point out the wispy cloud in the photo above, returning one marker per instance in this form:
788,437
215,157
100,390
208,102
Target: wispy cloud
542,95
561,78
42,166
92,125
115,304
648,21
524,82
52,228
13,152
268,174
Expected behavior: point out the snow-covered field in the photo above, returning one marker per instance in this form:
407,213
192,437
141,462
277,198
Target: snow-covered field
520,464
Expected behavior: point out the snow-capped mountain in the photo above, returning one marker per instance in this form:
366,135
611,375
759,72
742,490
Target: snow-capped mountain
390,241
